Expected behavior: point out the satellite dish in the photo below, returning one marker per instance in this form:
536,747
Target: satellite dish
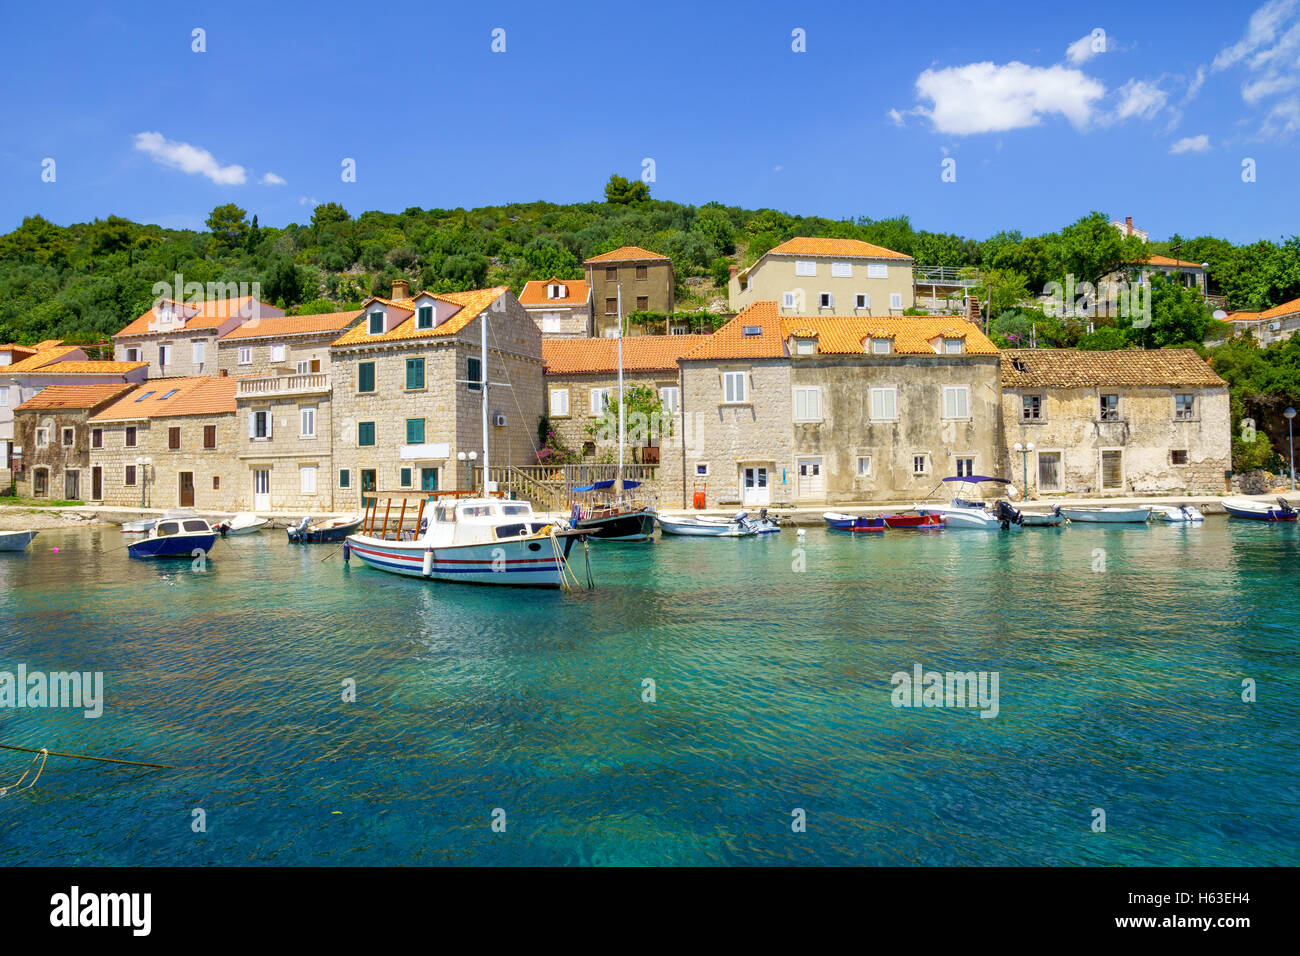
1220,314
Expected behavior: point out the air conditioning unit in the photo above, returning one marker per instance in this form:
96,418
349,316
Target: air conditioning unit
1275,326
499,420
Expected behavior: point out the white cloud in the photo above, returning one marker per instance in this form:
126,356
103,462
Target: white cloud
308,201
1267,86
188,159
1270,54
1197,82
271,179
1140,99
1191,144
1263,28
987,98
1084,49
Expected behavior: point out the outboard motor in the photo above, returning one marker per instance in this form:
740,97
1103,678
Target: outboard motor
1007,515
296,532
1286,507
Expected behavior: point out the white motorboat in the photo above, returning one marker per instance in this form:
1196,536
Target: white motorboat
175,538
1176,514
16,540
964,513
242,524
1042,519
1108,515
1253,510
145,525
738,526
763,524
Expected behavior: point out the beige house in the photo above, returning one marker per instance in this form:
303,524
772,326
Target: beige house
53,428
560,307
284,443
823,277
645,280
282,345
1116,423
180,338
407,391
171,443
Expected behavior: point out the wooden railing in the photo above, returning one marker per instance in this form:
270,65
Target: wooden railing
283,384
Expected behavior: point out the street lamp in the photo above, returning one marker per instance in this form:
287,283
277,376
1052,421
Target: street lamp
1024,461
469,467
1290,414
143,465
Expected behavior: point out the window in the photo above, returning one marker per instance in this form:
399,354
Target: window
805,267
307,422
130,436
424,317
415,373
1184,407
4,395
405,477
953,346
132,355
825,300
209,436
307,479
877,270
345,478
956,401
862,301
611,273
277,353
474,374
169,394
376,323
733,387
1110,408
1112,470
303,367
415,431
365,433
42,437
751,330
129,479
173,438
884,404
559,402
701,469
864,466
259,424
1031,408
600,398
642,303
882,346
41,482
555,291
365,376
164,355
895,300
643,272
920,464
245,355
807,404
671,396
611,305
216,483
842,270
805,346
144,396
789,300
199,351
965,467
69,437
551,322
1178,456
97,438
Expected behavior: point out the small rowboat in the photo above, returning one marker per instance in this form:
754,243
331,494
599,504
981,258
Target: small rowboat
16,540
857,524
1108,515
1253,510
175,538
337,529
1049,519
1176,514
242,524
737,527
914,521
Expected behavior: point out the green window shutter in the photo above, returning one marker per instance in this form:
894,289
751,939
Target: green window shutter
426,317
366,377
365,433
474,374
406,477
415,373
345,478
415,431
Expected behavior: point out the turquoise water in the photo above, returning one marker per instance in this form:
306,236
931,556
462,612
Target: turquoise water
1120,689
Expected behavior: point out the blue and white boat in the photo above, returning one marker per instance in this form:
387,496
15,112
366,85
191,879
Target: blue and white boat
175,538
326,532
1253,510
858,524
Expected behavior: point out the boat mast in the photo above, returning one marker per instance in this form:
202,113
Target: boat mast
483,384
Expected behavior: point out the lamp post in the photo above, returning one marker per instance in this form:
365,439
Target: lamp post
469,460
1290,437
143,465
1024,463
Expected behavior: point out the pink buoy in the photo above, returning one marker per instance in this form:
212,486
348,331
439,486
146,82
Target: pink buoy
56,550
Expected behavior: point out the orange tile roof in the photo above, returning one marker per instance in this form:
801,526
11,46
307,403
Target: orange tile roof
1157,260
91,368
1071,368
1286,308
471,304
202,395
534,292
1248,316
912,335
15,349
293,325
73,396
625,254
207,314
730,342
641,353
843,248
47,354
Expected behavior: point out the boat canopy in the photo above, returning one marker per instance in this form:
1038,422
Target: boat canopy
976,479
608,483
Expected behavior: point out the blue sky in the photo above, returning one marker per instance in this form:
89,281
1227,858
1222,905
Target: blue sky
1042,124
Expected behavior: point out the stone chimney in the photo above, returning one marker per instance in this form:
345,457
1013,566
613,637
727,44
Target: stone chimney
1128,225
401,289
734,269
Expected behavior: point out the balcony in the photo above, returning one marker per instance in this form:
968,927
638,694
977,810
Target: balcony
269,386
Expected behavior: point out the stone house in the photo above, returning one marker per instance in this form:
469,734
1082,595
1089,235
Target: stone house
282,345
180,338
811,276
1116,423
646,281
284,443
407,391
560,307
171,443
53,429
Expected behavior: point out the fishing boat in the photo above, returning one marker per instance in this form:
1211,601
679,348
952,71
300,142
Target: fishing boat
963,512
608,513
857,524
175,538
1042,519
913,521
1176,514
1108,515
242,524
16,540
1252,510
326,532
738,526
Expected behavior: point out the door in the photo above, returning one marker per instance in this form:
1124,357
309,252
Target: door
71,485
812,480
261,489
755,486
1049,471
368,484
428,479
1112,470
97,484
187,489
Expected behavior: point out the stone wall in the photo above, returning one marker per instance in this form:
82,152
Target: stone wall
657,289
286,452
162,489
304,348
54,457
575,320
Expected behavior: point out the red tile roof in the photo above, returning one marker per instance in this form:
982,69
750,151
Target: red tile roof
840,248
170,397
534,292
1071,368
912,335
319,323
208,314
46,353
90,368
731,342
625,254
641,353
1157,260
72,396
1286,308
471,304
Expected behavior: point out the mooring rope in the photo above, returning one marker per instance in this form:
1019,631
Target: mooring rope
42,755
55,753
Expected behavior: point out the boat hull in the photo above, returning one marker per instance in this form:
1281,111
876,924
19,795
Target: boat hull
1171,515
967,519
633,526
16,540
855,524
1257,511
529,562
324,535
1118,516
697,528
1030,520
917,522
172,546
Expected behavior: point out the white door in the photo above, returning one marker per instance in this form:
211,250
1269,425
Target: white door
756,491
262,489
812,480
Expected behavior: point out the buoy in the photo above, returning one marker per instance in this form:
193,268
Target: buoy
802,532
55,550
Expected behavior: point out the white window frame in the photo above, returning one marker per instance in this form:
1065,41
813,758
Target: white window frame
307,479
42,438
841,270
805,267
198,353
825,300
252,424
164,354
277,353
810,397
701,469
858,470
954,346
789,300
307,422
63,437
735,387
1191,409
882,346
926,464
551,322
960,396
877,270
882,391
970,470
805,346
601,399
671,397
895,300
304,366
862,301
554,402
245,355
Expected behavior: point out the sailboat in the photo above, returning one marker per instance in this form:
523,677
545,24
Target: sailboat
605,510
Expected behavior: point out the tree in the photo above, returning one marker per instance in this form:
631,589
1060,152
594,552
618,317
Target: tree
229,227
644,418
1179,316
283,282
622,192
1002,289
328,212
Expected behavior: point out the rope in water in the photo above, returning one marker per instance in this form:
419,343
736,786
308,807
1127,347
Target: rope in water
55,753
42,755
